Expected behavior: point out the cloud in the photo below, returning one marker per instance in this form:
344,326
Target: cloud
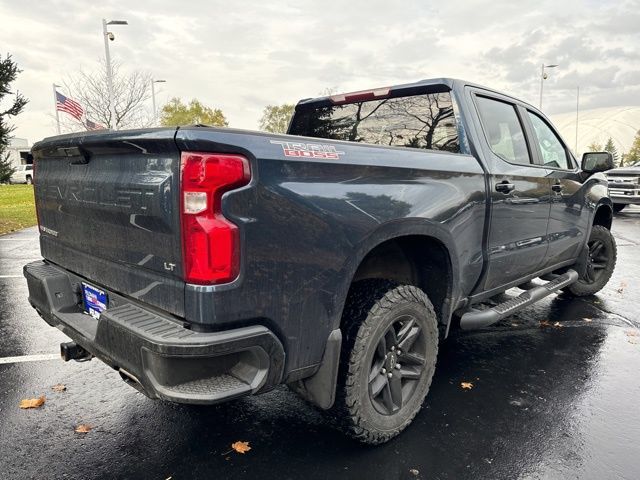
241,56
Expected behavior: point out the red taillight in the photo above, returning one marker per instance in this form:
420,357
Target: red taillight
210,242
361,96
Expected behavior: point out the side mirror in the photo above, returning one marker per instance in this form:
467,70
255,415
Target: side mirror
593,162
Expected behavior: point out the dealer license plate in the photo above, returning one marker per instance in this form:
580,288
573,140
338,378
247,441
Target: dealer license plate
95,300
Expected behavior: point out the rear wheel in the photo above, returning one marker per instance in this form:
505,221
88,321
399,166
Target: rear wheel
388,359
600,263
617,207
29,180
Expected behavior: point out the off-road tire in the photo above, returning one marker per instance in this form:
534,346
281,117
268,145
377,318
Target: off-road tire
373,307
584,287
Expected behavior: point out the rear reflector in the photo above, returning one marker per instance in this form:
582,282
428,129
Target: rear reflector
210,242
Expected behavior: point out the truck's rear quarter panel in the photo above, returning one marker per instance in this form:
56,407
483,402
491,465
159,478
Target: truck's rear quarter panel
306,224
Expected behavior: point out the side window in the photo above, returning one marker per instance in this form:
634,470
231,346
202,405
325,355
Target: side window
503,130
554,154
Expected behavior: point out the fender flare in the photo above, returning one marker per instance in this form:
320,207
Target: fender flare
390,231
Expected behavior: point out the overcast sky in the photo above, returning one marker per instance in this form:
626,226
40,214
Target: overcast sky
240,56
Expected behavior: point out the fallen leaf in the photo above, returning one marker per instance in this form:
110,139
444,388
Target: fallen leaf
83,428
33,402
59,388
632,333
633,340
587,319
466,385
414,472
623,285
544,323
515,325
557,325
241,447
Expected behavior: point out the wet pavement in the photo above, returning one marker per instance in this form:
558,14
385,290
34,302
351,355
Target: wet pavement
554,401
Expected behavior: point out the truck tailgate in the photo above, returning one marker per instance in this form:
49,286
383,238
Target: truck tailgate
108,210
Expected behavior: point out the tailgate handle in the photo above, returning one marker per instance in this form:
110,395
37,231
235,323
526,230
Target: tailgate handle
81,159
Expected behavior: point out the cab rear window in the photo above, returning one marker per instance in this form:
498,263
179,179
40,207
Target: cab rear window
424,121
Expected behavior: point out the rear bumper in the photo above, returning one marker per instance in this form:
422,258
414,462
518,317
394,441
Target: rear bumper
156,353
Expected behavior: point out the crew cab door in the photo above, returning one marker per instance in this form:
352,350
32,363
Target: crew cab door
569,215
519,193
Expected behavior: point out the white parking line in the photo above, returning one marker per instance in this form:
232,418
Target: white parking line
30,358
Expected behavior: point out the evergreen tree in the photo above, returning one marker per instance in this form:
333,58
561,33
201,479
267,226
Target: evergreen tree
8,73
6,170
611,148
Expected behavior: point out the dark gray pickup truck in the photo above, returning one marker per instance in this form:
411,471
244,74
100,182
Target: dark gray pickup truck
204,264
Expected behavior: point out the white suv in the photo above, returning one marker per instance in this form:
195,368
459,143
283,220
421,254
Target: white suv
23,174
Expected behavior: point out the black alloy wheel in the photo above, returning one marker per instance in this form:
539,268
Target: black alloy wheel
397,365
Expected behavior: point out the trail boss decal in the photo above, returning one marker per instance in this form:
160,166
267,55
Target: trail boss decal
309,150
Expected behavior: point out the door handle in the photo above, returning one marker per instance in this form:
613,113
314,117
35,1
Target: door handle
557,187
505,187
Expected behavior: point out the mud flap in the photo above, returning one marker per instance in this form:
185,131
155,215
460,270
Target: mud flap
320,388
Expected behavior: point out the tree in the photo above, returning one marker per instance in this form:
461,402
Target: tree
276,118
6,169
131,93
634,153
177,113
611,148
594,147
8,73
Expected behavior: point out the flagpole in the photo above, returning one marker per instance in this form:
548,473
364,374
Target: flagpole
55,106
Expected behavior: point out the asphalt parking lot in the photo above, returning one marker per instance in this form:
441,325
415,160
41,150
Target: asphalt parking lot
555,395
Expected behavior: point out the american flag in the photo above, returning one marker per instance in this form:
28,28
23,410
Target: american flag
72,107
93,125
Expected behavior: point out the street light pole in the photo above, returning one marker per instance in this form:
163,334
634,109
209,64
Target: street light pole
108,36
153,97
543,77
577,115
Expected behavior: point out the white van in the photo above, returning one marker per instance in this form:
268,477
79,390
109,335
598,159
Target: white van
23,174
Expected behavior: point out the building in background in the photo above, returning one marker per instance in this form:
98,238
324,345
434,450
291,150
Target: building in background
598,125
19,152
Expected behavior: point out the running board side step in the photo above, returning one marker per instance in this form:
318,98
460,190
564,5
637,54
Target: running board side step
483,318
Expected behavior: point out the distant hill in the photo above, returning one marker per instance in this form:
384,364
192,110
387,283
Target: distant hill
597,125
